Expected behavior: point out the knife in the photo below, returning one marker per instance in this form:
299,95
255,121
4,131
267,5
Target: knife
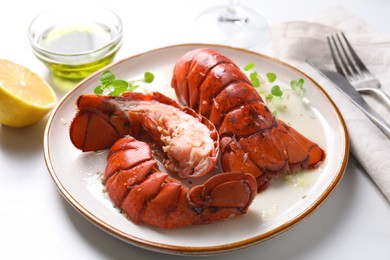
350,92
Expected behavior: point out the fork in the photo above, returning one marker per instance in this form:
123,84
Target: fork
349,65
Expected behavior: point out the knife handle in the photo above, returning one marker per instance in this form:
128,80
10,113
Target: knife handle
374,117
377,91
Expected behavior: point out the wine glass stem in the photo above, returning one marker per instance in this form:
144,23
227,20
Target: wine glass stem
233,13
234,3
233,7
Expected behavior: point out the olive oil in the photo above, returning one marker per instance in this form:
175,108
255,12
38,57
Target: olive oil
75,51
75,38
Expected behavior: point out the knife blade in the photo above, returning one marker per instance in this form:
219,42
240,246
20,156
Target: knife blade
352,94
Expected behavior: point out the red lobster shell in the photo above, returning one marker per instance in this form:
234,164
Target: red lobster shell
153,197
133,182
251,139
190,141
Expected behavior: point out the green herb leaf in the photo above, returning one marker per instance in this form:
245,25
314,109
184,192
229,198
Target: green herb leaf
253,75
297,85
117,86
115,93
276,91
98,90
249,66
148,77
107,77
271,77
269,97
254,79
256,82
120,85
132,88
273,96
294,84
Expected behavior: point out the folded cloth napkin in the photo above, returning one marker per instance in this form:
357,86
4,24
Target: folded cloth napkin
294,42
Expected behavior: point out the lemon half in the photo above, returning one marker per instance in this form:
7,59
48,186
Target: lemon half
24,97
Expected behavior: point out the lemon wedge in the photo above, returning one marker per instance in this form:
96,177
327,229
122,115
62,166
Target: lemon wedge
24,97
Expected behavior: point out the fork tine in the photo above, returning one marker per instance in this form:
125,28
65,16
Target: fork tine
358,62
335,60
347,57
338,59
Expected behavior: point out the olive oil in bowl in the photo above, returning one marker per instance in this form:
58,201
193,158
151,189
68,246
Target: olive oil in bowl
81,48
75,47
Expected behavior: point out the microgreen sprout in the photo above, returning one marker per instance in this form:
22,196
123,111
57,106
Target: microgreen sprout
297,86
255,79
276,91
271,92
116,87
271,77
253,76
249,66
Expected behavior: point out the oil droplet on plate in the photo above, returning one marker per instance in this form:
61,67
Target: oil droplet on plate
269,214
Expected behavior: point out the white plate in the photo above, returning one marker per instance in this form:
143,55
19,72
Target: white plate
284,204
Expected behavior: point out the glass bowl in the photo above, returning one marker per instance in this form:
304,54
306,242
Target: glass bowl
75,43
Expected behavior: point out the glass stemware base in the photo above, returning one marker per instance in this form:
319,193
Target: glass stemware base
233,25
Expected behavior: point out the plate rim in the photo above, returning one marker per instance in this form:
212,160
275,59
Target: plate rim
197,250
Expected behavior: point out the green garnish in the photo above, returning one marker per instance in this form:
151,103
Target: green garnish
276,91
148,77
249,66
273,94
297,86
254,79
116,87
271,76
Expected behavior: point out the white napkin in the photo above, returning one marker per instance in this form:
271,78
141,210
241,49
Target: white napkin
294,42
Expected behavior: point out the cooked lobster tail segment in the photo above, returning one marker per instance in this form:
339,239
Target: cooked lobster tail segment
189,141
98,124
189,146
149,196
251,139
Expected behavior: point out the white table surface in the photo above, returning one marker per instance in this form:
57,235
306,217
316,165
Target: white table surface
36,222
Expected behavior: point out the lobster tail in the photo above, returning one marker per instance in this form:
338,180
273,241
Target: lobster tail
251,139
147,195
190,143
